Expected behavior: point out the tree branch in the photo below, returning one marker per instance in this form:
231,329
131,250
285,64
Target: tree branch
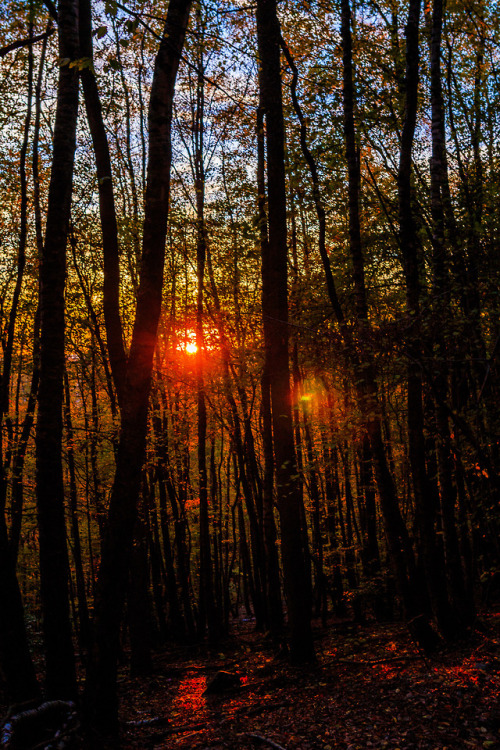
24,42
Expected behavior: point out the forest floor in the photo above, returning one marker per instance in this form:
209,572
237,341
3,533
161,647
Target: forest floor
371,688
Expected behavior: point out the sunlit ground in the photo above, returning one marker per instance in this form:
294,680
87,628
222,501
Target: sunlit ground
189,694
371,689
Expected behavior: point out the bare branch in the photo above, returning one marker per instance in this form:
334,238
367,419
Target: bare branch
24,42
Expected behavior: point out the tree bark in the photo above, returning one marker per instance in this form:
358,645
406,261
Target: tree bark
463,605
15,658
83,612
111,286
273,590
399,543
207,610
8,342
275,313
101,695
54,565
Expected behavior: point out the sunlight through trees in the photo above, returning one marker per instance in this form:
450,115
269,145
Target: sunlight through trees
249,308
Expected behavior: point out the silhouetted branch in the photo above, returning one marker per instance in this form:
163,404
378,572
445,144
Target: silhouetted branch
24,42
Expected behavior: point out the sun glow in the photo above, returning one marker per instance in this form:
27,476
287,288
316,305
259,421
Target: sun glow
190,347
187,343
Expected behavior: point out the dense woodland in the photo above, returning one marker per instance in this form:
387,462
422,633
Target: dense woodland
250,296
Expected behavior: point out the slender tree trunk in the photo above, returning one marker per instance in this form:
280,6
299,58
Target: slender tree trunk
244,457
158,577
111,287
399,542
54,565
138,597
15,658
463,604
17,498
101,696
248,579
180,524
8,342
351,576
370,553
317,516
18,461
275,606
160,428
207,605
353,168
318,200
175,616
331,494
275,312
425,510
83,612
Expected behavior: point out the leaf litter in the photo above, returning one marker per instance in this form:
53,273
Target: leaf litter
370,689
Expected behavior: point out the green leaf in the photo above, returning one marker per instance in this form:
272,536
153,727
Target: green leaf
131,26
82,64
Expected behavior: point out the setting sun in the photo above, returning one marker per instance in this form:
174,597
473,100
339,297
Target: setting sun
187,343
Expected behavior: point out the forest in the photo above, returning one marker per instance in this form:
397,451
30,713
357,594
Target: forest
249,384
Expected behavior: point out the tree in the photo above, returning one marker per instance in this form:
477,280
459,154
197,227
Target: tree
101,698
275,315
54,565
15,657
336,416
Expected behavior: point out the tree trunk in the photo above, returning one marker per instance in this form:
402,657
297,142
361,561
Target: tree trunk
175,616
273,590
83,612
101,696
111,286
275,312
139,614
15,658
398,539
463,604
54,565
207,606
370,553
